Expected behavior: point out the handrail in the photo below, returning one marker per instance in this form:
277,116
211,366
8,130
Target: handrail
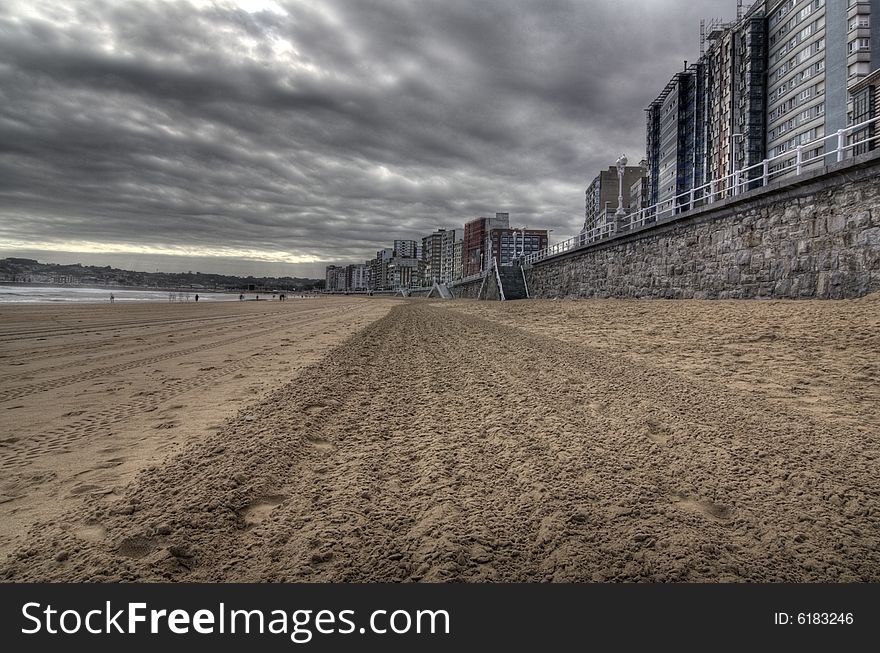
731,185
498,280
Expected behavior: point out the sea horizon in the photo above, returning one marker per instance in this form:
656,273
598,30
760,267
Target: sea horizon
16,293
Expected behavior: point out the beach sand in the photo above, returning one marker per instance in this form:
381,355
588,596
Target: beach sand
467,441
90,394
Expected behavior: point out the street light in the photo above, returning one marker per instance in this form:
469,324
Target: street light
621,168
735,172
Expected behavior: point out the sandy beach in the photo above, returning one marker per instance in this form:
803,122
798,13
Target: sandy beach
367,439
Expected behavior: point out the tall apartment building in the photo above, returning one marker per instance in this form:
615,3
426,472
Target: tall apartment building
508,244
342,278
799,82
676,136
406,248
330,277
734,65
863,64
638,190
432,257
450,255
602,193
774,81
818,52
357,276
476,248
378,270
403,272
458,257
862,39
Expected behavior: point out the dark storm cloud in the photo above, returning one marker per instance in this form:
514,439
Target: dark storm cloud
324,130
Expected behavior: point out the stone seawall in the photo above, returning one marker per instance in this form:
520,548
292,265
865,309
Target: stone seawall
818,237
468,290
477,289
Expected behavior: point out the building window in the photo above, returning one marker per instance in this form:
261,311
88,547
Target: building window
859,44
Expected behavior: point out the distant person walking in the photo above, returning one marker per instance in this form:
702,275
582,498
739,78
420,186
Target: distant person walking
241,298
197,297
112,298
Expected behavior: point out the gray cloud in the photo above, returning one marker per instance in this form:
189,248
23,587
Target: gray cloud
321,132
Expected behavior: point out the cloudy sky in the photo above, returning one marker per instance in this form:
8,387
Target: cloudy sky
274,137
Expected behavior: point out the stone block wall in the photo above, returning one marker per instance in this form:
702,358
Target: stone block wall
817,238
468,290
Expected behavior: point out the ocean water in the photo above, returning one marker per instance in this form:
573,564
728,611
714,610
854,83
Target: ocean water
12,294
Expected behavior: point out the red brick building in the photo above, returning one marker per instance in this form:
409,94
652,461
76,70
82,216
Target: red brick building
475,254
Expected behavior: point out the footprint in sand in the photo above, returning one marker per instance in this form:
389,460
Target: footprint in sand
706,508
258,510
136,546
320,444
87,488
91,533
314,409
657,432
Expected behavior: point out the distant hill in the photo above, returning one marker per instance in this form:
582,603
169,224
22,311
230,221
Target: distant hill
23,270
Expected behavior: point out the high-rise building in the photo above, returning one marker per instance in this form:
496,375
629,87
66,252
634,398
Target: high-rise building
676,137
818,51
432,257
780,83
638,190
734,65
406,248
862,63
331,278
476,249
602,193
797,80
378,270
403,272
448,255
458,258
357,276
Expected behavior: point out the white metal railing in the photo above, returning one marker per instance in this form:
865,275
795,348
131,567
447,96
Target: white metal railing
734,184
498,280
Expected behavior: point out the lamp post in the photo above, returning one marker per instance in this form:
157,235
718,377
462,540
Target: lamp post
734,138
621,168
620,214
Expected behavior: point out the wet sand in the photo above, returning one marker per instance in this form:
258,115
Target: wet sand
469,441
